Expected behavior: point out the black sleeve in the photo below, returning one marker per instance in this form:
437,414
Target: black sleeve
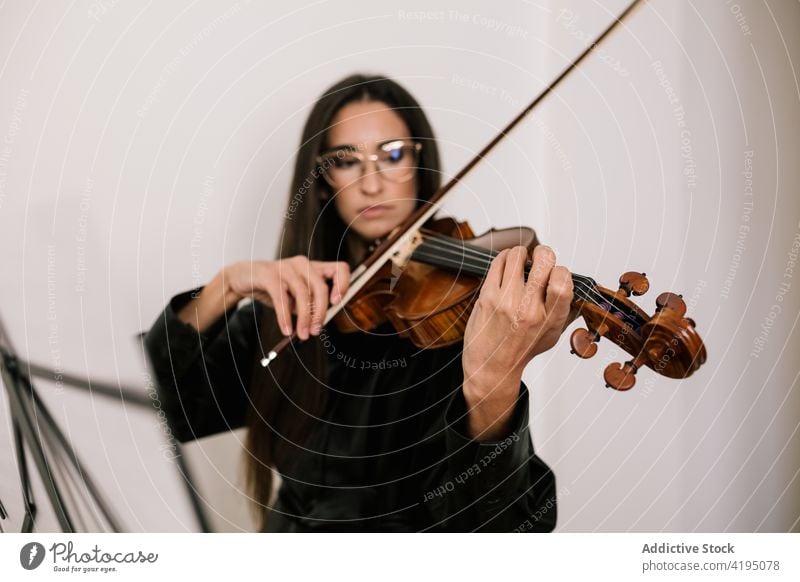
493,486
202,378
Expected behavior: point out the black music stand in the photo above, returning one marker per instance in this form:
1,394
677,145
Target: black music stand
53,456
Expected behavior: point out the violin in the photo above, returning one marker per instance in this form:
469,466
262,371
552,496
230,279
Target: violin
440,277
442,265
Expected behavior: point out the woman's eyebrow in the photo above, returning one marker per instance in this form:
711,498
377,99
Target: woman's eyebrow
345,146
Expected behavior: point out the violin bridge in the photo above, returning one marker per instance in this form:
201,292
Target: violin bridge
405,249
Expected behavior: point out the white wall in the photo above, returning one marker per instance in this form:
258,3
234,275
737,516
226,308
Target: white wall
658,186
149,144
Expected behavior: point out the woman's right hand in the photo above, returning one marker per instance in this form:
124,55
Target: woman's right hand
293,285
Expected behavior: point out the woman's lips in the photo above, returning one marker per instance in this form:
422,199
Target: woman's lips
375,210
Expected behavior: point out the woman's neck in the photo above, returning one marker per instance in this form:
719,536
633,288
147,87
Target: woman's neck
356,248
359,248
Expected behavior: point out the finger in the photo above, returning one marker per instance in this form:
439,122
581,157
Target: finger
282,305
319,300
559,295
302,299
495,275
544,259
339,273
514,273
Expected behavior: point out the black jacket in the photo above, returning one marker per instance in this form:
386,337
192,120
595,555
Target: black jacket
391,453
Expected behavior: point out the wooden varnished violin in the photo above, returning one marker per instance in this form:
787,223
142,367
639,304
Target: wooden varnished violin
429,297
441,265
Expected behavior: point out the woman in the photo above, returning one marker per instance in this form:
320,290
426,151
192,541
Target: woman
367,432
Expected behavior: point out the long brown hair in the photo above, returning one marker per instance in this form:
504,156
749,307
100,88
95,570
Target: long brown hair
287,395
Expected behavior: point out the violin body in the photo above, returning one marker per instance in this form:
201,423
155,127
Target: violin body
426,304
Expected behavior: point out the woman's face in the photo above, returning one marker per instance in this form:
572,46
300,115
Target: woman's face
370,204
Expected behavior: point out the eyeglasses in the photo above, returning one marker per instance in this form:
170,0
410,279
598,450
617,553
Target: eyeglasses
396,161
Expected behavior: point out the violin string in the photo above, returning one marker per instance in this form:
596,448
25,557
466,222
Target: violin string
480,258
581,290
480,267
486,255
588,283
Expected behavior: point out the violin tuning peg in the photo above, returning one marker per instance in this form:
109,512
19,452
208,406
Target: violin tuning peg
671,301
584,343
633,283
620,376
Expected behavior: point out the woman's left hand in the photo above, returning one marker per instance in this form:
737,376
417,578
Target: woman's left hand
513,321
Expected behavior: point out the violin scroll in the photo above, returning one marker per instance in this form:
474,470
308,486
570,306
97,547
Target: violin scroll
666,342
